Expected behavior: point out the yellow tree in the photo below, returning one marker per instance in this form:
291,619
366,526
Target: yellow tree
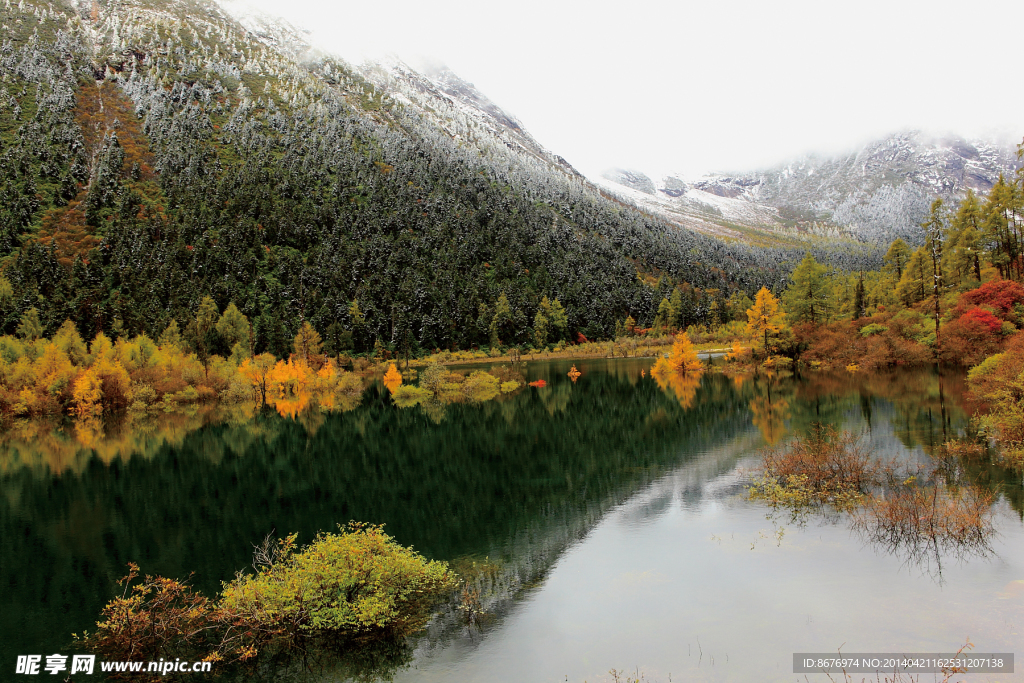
392,378
683,361
256,370
683,358
88,393
765,318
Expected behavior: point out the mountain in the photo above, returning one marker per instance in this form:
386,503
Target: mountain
155,153
877,193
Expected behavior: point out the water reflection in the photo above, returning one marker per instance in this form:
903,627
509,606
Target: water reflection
511,484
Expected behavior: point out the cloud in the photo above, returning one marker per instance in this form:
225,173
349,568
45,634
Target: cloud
703,85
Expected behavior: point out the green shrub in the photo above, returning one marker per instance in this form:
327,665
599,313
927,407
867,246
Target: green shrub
357,582
408,395
873,328
480,386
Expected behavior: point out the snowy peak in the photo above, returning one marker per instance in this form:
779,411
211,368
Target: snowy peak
452,85
636,180
458,108
877,193
433,90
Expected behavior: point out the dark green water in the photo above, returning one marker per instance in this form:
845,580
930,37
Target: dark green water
520,480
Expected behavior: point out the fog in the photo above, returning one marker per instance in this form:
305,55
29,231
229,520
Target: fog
696,87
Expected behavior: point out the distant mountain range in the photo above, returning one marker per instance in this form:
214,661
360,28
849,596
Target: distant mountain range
877,193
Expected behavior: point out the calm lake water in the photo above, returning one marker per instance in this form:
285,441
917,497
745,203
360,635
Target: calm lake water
605,523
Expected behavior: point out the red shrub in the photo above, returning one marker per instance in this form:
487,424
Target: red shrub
985,318
1001,296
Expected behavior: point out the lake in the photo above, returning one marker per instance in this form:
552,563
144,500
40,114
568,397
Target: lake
604,523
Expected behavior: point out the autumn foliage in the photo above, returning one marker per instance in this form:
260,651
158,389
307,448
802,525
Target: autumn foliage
682,360
998,382
64,375
1002,297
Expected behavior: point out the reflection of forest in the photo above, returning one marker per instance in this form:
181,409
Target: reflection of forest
515,479
928,407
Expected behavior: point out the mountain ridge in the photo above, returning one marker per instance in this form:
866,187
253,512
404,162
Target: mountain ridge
876,193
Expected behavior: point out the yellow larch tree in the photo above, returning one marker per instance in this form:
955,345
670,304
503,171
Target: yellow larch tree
88,393
682,361
765,319
392,378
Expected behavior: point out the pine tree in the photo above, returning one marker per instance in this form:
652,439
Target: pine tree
558,318
358,325
171,336
1001,231
201,329
541,324
962,255
737,305
675,310
662,317
807,297
6,293
233,327
911,287
501,320
897,257
30,328
858,298
935,227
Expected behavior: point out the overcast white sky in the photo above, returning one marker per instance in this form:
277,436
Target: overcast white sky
705,86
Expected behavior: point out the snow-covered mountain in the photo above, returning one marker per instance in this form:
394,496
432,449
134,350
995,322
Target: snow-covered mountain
877,193
874,194
435,92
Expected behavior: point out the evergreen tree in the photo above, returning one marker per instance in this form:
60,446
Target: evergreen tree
911,287
501,322
897,257
30,328
661,319
935,228
676,310
6,293
737,305
358,319
233,327
201,331
558,319
807,297
1001,231
859,304
541,324
962,256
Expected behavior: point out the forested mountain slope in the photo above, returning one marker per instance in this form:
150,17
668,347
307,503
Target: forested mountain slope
153,153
